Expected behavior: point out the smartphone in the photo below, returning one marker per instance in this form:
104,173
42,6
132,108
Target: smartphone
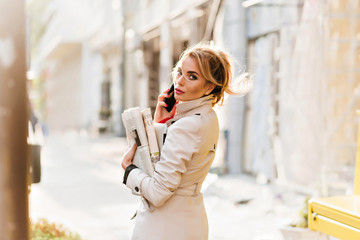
170,101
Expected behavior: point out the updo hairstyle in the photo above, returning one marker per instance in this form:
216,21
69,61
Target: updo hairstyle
214,65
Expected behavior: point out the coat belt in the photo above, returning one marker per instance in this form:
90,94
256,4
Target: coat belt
189,190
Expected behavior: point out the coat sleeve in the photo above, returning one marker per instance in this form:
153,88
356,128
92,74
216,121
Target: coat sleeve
182,141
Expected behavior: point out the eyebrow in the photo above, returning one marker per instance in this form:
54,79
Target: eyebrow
179,68
193,72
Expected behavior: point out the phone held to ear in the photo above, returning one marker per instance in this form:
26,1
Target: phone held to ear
170,101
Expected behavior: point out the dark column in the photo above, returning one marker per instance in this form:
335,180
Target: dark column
13,122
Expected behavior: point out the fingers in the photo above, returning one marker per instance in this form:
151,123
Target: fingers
173,110
128,156
132,148
163,104
160,112
162,97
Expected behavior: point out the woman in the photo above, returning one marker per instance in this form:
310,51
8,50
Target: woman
173,206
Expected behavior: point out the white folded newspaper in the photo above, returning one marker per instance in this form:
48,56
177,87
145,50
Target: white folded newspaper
140,129
161,131
151,134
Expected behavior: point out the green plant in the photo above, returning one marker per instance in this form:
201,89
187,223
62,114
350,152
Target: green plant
302,220
43,230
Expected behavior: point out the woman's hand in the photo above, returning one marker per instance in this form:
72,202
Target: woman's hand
161,113
128,156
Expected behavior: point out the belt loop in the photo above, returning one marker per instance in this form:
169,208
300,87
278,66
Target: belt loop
196,188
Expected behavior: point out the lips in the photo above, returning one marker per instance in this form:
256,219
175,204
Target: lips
178,91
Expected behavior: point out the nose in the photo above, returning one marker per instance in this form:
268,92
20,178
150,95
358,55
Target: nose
180,80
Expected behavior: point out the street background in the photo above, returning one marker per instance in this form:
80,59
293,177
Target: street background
68,69
82,189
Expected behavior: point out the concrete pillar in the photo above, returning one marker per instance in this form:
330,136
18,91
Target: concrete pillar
166,51
13,122
236,42
122,68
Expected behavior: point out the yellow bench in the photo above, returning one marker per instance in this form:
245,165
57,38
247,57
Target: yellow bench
338,216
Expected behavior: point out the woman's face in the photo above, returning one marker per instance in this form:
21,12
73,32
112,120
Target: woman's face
190,84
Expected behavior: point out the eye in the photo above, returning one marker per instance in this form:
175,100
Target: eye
192,77
178,73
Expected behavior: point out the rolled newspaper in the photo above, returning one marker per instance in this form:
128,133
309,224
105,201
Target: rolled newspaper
161,130
135,131
151,134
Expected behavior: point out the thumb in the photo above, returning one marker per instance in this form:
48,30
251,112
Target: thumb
133,148
173,110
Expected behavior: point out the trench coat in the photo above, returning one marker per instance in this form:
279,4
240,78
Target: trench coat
172,205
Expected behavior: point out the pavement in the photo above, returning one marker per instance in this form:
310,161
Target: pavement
81,188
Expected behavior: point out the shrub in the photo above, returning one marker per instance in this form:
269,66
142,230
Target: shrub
302,220
43,230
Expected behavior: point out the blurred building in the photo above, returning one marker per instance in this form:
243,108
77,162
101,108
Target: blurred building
297,124
76,53
301,123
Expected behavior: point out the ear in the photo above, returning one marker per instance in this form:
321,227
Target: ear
210,88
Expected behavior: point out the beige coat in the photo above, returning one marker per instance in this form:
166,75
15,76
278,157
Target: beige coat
174,207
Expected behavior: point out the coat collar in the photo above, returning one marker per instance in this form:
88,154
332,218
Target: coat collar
188,108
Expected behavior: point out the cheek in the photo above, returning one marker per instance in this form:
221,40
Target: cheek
197,89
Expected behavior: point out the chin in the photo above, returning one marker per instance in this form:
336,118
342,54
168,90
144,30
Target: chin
179,98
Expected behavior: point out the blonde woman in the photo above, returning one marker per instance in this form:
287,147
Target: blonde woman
173,206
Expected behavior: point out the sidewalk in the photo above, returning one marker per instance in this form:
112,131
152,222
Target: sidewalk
237,207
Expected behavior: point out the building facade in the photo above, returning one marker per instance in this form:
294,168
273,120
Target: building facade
77,56
297,124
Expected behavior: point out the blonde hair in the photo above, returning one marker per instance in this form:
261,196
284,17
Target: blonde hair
215,66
